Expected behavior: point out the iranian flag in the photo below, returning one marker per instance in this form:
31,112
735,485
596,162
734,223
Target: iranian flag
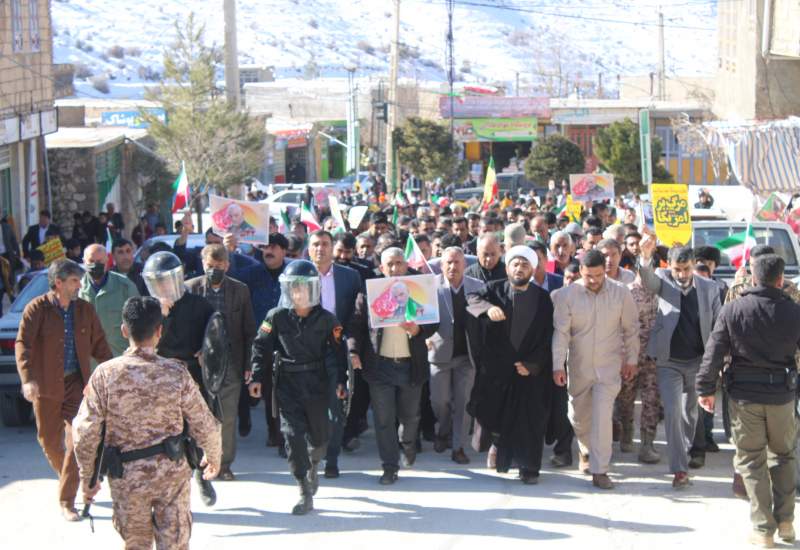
308,218
490,191
415,257
109,247
737,246
180,191
285,224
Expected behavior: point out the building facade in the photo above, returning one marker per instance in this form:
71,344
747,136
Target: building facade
26,108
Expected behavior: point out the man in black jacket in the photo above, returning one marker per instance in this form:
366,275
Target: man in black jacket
395,365
37,234
761,333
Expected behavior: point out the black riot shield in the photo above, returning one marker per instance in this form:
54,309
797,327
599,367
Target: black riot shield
216,359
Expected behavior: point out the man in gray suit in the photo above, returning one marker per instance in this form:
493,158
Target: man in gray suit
232,299
687,310
452,367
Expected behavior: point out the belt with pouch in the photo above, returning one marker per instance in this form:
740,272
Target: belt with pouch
299,367
113,459
771,377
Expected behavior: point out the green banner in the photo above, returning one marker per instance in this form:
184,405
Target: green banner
496,129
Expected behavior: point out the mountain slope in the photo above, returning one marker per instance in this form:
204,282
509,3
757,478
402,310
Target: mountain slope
552,44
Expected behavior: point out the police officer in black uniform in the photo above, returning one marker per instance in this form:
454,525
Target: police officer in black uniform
300,333
185,319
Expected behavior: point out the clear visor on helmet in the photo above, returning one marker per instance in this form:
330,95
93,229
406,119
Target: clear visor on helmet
165,284
299,292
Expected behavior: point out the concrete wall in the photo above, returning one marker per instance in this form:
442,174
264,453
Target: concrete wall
747,85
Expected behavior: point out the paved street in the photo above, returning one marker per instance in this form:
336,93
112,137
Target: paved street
436,504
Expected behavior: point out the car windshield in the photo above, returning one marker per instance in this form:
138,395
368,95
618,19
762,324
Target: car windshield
776,238
36,287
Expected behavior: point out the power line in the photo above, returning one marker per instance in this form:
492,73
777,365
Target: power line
569,15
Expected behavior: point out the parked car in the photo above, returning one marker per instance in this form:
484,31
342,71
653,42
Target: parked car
14,409
775,234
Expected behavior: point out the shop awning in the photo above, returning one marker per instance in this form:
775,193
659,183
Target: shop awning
764,157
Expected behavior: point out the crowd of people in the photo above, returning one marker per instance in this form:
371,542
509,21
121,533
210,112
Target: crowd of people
549,328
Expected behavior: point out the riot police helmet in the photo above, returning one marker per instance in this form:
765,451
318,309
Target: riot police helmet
163,275
300,285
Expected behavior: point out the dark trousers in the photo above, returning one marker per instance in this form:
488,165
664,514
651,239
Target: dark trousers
335,413
394,399
54,431
303,405
427,422
559,428
245,403
359,405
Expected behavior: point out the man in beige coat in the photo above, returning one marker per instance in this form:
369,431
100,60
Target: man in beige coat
596,340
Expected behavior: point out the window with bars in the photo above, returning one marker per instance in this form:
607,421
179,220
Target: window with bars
33,25
16,26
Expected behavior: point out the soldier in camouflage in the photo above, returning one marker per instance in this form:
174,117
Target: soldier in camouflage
644,381
742,282
141,399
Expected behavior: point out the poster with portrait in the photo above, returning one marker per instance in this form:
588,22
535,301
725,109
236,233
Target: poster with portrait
591,187
395,300
249,221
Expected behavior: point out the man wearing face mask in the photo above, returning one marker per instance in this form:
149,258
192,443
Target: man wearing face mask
107,291
232,299
687,310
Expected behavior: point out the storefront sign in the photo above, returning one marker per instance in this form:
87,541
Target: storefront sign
496,129
49,122
9,130
495,107
131,119
29,126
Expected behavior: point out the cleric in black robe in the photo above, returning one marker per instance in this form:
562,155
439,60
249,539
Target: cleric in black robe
512,330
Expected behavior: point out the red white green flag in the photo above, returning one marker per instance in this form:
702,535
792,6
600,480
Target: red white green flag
308,219
414,256
490,191
737,247
180,191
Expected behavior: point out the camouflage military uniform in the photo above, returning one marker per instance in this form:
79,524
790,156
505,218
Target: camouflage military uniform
143,399
645,379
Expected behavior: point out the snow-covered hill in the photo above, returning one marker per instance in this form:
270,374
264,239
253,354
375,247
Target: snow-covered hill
548,42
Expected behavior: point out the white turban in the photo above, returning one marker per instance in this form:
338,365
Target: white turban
522,251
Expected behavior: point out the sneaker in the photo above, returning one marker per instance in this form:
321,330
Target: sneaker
602,481
389,477
762,540
681,480
786,531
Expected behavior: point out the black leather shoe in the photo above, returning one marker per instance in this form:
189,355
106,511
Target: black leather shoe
409,457
331,470
282,451
389,477
244,427
441,444
529,478
711,446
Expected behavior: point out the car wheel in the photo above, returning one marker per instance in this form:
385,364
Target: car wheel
14,409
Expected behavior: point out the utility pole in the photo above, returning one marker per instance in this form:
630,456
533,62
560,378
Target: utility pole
662,77
353,129
392,100
600,85
231,55
451,71
517,88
